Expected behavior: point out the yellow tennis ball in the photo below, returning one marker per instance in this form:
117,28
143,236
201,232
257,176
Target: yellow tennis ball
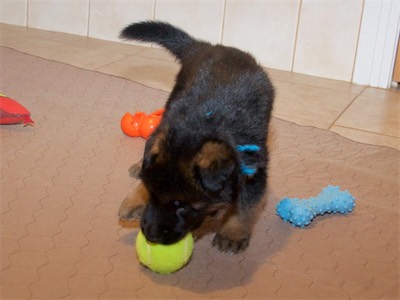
164,259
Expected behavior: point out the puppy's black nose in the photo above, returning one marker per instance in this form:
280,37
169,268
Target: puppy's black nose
151,233
153,239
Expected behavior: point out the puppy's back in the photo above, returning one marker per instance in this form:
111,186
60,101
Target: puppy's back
220,91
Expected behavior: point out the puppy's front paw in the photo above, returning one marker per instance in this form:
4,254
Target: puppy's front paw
227,245
129,213
132,207
135,169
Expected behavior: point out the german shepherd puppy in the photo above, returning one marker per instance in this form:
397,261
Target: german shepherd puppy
209,152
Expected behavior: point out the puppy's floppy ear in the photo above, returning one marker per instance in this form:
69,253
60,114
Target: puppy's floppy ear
214,165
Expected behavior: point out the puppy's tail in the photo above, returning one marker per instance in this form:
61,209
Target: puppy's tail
172,38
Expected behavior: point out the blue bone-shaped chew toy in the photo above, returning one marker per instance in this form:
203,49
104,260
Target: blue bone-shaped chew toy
300,212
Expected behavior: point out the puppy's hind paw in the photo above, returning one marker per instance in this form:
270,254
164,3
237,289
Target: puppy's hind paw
227,245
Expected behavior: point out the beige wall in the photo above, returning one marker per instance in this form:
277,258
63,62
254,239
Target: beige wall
315,37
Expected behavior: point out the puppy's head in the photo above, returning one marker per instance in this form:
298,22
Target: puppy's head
185,182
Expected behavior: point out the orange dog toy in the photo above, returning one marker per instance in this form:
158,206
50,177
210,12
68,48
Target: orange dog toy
141,124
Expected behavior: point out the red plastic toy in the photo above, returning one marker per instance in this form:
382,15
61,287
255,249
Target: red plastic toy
141,124
12,112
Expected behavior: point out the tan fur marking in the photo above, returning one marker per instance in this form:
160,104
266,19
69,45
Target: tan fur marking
133,200
239,223
158,144
235,228
209,153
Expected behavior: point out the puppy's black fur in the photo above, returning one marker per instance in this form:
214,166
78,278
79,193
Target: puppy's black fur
193,163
